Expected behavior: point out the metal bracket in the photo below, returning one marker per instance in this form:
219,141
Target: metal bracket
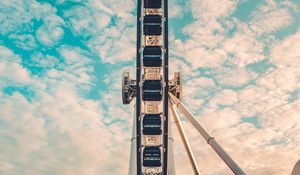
128,88
176,85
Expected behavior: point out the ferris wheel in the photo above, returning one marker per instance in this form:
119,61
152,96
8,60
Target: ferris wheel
155,96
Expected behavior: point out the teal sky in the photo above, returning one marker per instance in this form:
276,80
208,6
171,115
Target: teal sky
61,63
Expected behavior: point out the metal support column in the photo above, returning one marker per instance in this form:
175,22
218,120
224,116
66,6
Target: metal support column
132,163
296,170
171,163
166,82
210,140
138,90
184,140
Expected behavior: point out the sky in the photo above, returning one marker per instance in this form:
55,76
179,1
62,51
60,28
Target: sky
61,63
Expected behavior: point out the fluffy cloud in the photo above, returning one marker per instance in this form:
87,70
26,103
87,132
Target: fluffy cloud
10,68
60,130
51,32
286,53
246,111
263,19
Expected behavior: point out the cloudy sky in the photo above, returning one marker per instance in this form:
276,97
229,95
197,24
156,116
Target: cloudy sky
60,84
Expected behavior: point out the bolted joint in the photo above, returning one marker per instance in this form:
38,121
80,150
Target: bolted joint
175,86
128,88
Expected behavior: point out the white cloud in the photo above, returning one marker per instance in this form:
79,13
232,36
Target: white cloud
286,53
244,48
58,131
114,7
177,9
64,1
10,68
25,41
15,18
271,136
233,77
45,61
212,9
64,133
102,7
201,57
225,97
85,22
264,22
110,35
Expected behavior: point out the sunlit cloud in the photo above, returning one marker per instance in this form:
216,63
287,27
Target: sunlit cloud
60,84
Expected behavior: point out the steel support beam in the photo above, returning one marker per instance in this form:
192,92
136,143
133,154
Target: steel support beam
166,88
171,164
132,163
209,139
296,170
184,140
138,89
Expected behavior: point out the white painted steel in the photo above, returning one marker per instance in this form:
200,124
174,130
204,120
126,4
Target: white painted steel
132,163
296,170
184,140
171,163
210,140
190,117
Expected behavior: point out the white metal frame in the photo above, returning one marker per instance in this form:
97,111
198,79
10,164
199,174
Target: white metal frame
209,139
183,137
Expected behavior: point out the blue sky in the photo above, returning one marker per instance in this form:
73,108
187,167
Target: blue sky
60,83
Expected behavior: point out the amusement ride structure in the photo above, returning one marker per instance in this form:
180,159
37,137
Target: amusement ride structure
156,96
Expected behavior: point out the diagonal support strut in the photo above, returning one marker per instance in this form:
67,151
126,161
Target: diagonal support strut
184,139
210,140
